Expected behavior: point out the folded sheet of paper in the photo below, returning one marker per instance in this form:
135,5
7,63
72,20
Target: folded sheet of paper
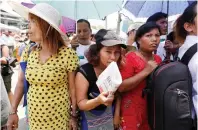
110,79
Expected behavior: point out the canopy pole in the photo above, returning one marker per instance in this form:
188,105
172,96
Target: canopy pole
167,15
75,14
118,23
75,10
105,18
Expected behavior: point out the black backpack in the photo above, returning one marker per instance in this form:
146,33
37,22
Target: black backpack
169,94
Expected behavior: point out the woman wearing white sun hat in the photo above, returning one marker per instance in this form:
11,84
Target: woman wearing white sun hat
50,73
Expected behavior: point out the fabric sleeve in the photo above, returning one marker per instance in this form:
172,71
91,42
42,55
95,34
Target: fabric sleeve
72,60
127,70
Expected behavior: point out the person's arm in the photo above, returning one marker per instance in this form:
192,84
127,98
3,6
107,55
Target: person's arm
71,66
18,93
71,77
81,93
131,38
116,121
74,42
12,123
5,55
73,121
132,82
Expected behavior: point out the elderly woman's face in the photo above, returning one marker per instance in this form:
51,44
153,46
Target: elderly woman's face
109,54
34,32
150,40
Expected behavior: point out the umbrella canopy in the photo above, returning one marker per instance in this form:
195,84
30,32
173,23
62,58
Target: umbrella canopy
141,10
86,9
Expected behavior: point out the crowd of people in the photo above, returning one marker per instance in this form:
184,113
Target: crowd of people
10,42
62,73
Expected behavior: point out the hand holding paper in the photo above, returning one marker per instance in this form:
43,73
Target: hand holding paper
110,79
105,99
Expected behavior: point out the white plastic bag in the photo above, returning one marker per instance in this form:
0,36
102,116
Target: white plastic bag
110,79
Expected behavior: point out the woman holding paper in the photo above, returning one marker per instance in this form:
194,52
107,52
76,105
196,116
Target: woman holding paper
96,108
138,66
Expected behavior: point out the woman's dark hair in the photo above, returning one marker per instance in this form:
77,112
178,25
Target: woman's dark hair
188,16
145,28
92,54
85,21
157,16
171,36
92,36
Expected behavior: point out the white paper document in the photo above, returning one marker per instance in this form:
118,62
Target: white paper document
110,79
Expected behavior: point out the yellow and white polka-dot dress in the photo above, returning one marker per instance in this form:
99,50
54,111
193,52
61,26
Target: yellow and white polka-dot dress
48,95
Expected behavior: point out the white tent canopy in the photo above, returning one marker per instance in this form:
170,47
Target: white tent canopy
7,27
3,26
6,7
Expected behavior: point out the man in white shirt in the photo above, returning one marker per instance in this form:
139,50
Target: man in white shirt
81,42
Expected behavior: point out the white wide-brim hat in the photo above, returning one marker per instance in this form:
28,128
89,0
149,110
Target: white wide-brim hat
42,10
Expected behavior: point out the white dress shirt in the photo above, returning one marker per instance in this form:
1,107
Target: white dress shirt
193,67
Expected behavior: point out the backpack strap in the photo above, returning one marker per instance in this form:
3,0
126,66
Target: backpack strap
26,84
87,71
31,46
189,54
